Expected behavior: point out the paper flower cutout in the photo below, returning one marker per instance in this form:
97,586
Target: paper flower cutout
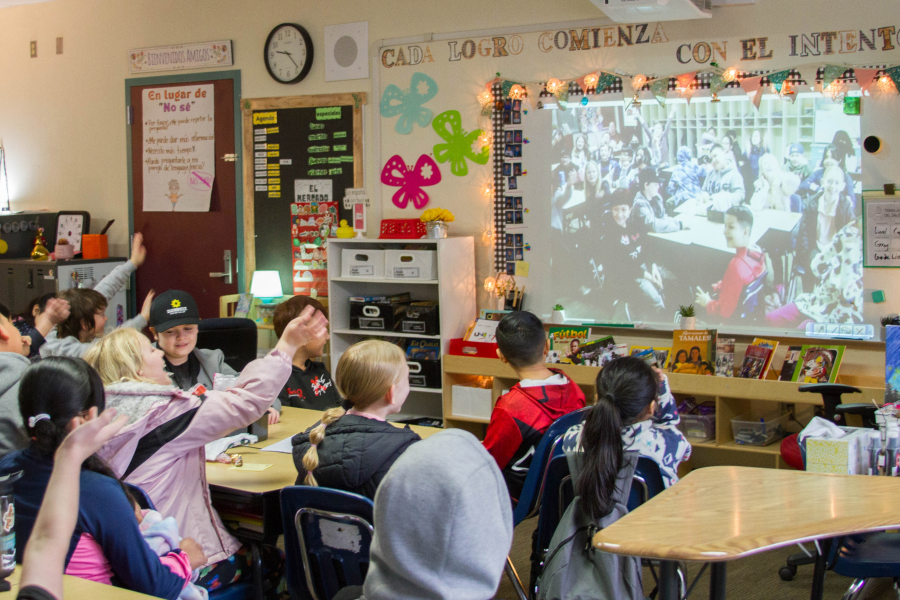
410,181
408,103
459,143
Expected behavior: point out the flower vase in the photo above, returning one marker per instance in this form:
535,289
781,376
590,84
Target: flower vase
688,322
436,230
558,317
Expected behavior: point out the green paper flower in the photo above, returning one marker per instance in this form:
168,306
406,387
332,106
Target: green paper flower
459,143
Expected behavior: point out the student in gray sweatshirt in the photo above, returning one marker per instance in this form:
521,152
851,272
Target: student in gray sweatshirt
456,544
87,318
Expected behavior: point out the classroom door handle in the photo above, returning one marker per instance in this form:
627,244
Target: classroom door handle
227,272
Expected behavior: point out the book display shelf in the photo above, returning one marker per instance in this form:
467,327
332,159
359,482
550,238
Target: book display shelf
862,366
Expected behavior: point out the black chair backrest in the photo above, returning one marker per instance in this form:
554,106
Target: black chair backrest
831,398
236,338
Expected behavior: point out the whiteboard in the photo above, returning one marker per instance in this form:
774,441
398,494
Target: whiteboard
882,233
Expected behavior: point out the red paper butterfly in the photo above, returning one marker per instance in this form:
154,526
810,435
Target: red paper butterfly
410,181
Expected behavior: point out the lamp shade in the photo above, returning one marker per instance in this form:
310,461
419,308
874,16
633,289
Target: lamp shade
266,284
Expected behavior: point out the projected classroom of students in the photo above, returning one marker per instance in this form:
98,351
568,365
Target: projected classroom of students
750,215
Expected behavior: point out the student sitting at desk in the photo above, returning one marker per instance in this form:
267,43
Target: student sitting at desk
774,189
161,448
747,265
650,208
685,182
352,450
796,162
627,174
174,321
724,186
310,385
87,309
542,395
609,167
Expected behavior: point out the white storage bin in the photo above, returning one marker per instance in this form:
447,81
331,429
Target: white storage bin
362,263
410,264
470,401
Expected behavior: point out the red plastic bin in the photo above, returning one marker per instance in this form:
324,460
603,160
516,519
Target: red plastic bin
460,347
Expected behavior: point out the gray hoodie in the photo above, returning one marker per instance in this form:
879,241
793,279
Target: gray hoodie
12,433
109,286
456,543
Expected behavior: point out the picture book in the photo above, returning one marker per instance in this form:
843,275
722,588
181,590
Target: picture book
483,331
725,357
818,364
766,344
790,363
590,354
892,363
662,354
755,360
565,342
242,308
423,350
693,351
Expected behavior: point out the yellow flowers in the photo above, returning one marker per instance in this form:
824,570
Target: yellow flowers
437,214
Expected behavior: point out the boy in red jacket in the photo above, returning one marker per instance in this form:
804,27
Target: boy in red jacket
542,395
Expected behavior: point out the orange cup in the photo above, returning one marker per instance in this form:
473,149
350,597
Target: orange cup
94,246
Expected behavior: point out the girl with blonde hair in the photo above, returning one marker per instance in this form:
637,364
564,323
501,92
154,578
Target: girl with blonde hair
161,449
360,445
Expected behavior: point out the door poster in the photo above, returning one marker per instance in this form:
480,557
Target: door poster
179,148
313,220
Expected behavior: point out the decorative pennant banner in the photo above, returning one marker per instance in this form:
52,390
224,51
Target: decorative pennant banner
606,80
778,79
753,85
865,77
894,74
716,83
832,72
562,95
506,86
808,73
660,87
686,79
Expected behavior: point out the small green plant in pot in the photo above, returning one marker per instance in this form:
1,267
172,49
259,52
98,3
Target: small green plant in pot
558,316
687,317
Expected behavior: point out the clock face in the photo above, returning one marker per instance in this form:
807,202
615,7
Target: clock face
70,227
288,53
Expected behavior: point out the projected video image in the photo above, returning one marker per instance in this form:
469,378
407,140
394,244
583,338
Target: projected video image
752,216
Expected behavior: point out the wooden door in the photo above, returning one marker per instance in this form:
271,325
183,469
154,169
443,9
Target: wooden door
183,248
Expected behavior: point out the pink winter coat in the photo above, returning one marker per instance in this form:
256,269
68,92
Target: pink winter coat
174,475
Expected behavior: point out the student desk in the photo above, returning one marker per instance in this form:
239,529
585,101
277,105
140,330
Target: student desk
717,514
75,588
255,494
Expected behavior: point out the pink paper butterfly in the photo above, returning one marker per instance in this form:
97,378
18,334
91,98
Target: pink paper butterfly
410,180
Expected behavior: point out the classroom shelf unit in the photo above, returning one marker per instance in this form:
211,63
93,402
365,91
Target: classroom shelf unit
732,396
453,289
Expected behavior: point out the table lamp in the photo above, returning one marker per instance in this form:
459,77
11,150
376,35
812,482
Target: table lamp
266,285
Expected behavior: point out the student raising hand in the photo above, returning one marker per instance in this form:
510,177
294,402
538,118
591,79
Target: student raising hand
310,325
148,302
138,251
45,553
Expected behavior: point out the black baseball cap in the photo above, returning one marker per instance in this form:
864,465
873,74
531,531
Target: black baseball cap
173,308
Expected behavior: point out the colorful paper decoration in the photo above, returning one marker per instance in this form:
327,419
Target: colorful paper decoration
894,74
716,83
753,85
408,103
606,80
830,73
865,77
660,87
410,181
778,79
637,82
458,144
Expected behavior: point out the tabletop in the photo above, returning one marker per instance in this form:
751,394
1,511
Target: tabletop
724,513
75,588
282,473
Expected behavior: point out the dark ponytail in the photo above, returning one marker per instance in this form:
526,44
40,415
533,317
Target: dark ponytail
625,388
61,388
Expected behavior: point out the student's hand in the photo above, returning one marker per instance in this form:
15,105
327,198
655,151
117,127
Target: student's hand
274,416
310,325
702,298
138,252
55,312
148,301
194,552
84,440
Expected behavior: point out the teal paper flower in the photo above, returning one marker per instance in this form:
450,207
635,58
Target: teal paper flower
459,143
408,103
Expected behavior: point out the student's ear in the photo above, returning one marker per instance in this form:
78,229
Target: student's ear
4,335
391,393
501,357
546,347
153,337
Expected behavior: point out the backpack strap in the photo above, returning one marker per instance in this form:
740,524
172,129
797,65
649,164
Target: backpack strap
152,441
569,539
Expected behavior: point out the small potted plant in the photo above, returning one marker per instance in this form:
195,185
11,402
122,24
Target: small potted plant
558,316
885,321
687,317
436,220
64,250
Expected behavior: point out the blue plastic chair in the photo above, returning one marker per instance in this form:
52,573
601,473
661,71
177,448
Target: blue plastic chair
536,482
327,535
647,483
863,557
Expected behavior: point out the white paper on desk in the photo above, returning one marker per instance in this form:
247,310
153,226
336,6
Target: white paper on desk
282,446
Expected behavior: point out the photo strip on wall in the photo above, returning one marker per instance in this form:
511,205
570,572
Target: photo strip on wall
513,171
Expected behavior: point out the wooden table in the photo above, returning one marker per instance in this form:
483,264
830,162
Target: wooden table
717,514
75,588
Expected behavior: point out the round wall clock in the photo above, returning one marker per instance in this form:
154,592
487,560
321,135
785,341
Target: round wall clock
288,53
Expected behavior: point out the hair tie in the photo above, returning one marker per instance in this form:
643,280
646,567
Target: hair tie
313,445
32,421
609,397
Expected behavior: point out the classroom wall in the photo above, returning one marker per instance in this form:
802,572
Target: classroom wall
62,118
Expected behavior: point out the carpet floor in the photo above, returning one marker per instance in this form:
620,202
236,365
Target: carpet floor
753,578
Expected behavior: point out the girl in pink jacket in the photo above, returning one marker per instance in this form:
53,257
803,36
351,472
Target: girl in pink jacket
161,449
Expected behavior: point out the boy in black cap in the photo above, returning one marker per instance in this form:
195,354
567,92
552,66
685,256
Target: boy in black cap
174,321
649,208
